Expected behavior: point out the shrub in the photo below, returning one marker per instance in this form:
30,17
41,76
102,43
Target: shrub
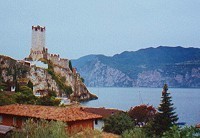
134,133
41,129
186,132
118,123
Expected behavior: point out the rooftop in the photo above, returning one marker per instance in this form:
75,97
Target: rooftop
48,112
101,111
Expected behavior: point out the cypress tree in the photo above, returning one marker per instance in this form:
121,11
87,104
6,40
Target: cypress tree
166,117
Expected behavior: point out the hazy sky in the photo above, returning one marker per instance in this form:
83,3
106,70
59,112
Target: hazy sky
76,28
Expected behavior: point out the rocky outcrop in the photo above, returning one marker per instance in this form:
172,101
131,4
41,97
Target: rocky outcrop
20,71
103,75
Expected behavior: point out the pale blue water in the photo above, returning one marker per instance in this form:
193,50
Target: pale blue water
186,101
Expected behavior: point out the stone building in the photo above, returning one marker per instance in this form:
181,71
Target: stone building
38,49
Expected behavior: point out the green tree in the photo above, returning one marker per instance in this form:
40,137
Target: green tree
70,65
118,123
166,117
6,99
48,101
41,129
25,96
30,85
186,132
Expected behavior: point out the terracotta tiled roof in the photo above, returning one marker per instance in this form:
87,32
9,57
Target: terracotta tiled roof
101,111
48,112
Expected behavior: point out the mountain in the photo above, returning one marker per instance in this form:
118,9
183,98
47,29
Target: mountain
150,67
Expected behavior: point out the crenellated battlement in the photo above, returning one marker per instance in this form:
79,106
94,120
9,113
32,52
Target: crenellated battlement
56,60
38,28
38,50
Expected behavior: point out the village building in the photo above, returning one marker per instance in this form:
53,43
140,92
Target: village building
75,117
105,113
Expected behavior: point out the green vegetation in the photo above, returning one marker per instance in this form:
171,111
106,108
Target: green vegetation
134,133
49,99
30,85
186,132
25,96
70,65
166,117
118,123
59,80
82,79
6,99
41,129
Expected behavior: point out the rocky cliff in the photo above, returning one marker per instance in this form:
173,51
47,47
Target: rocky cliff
63,81
151,67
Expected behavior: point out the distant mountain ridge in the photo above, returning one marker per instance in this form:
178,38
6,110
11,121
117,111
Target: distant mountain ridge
150,67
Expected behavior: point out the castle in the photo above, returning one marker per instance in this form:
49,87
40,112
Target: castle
39,51
42,80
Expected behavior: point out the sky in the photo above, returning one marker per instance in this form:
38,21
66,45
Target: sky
75,28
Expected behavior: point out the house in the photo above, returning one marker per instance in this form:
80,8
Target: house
99,123
75,117
198,125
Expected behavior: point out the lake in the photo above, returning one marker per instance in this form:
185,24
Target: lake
186,100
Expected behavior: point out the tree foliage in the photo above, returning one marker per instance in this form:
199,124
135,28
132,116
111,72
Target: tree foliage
48,101
25,96
70,65
134,133
166,117
6,99
186,132
118,123
142,114
41,129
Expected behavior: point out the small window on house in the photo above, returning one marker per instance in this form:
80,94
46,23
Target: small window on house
1,119
14,121
96,122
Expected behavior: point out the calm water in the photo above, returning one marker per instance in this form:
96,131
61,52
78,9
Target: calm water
186,101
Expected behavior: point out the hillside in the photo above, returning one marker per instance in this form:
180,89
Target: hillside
151,67
64,81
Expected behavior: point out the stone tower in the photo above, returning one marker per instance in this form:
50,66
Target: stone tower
38,49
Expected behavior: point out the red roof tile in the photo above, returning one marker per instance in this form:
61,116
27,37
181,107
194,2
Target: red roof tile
48,112
102,111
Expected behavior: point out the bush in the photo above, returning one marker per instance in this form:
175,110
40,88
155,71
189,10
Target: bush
118,123
6,99
41,129
186,132
134,133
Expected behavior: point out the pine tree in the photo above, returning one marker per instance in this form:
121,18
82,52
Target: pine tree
166,117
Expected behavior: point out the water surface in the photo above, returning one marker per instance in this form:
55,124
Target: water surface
186,101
